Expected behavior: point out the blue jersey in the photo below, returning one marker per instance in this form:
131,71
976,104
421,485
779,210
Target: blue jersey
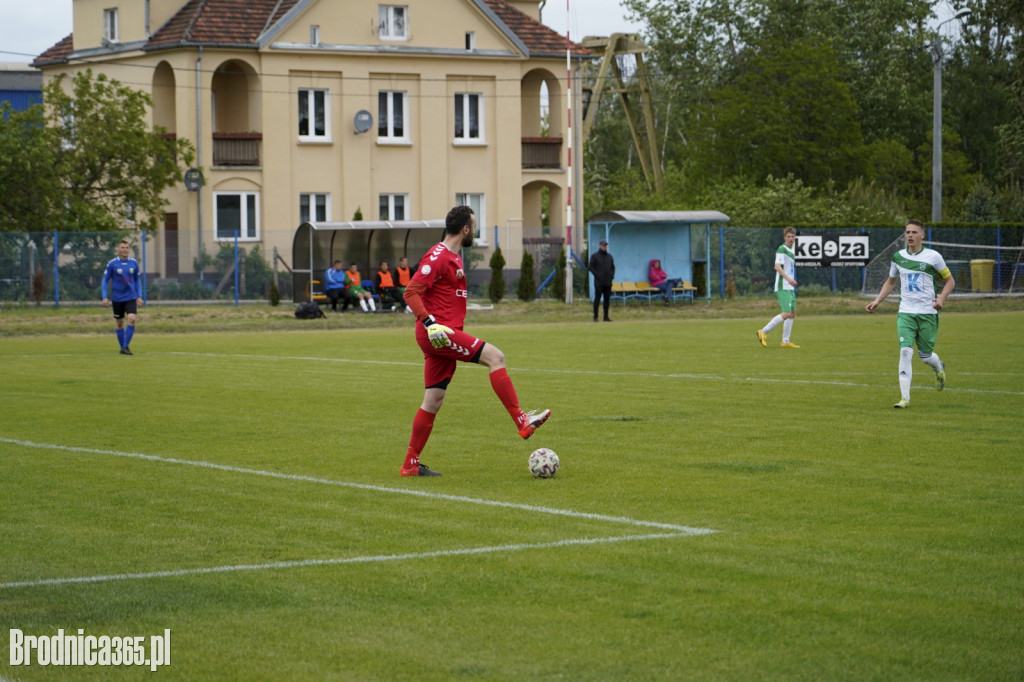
124,275
334,279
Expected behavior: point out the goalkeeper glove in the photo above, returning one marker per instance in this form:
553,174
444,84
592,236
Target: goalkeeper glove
437,333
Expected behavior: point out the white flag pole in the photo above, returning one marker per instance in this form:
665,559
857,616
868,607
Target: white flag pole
569,154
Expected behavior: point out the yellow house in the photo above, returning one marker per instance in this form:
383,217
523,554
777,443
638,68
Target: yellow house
316,110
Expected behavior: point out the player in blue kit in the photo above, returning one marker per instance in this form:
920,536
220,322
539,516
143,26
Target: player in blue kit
123,274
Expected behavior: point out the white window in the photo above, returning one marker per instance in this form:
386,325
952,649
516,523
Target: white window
392,206
392,112
314,208
470,41
314,115
236,211
110,24
392,23
69,134
314,34
475,202
468,114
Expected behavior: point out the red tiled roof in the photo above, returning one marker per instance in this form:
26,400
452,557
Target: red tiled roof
220,22
538,38
242,22
57,53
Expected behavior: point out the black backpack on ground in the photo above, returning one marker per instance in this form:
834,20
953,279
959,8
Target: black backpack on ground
308,311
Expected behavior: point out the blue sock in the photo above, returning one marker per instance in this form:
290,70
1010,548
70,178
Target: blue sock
129,332
120,337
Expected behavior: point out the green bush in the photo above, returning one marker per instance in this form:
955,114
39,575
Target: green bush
558,285
527,287
496,289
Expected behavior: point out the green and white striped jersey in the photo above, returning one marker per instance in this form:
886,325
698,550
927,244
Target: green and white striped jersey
787,259
918,273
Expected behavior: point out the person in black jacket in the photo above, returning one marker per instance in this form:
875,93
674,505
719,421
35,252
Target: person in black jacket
602,267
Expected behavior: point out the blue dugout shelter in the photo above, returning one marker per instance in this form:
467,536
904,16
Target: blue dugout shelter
681,240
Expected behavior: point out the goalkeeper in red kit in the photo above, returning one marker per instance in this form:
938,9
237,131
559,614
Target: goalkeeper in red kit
437,295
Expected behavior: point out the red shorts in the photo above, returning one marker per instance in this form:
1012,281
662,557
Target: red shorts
439,363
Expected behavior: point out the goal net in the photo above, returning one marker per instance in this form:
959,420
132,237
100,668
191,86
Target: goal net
979,270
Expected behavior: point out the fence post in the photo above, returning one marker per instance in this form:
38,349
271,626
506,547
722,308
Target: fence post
236,267
276,284
721,263
143,268
56,269
999,259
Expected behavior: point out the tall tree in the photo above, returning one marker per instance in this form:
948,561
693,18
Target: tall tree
784,112
833,92
94,163
28,174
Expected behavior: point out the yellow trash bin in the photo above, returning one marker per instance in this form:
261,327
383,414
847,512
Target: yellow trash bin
981,274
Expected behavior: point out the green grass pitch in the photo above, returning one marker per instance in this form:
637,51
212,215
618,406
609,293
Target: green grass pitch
242,490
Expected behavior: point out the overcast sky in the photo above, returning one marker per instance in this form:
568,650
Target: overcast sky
28,27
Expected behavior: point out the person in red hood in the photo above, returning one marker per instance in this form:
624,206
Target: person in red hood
660,280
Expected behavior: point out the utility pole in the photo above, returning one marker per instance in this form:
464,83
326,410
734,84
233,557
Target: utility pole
937,117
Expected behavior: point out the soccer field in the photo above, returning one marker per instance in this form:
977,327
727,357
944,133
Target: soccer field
723,510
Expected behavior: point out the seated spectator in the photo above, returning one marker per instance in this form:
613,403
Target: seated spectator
660,280
335,286
402,277
386,286
356,290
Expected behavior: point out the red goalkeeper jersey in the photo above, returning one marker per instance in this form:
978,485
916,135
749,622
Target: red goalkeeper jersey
440,282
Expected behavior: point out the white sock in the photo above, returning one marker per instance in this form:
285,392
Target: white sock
906,371
932,361
772,324
362,304
787,328
373,306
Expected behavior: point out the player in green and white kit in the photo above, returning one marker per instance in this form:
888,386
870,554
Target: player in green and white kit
916,269
785,291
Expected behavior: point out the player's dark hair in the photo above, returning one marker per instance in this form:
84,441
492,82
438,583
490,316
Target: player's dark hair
915,221
457,218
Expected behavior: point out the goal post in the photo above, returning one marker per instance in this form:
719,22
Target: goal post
979,269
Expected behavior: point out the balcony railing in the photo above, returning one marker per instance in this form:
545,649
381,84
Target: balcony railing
542,152
236,149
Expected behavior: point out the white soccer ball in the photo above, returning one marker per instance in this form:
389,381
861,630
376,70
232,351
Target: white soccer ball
543,463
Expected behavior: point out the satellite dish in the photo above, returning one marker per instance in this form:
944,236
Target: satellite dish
193,179
363,121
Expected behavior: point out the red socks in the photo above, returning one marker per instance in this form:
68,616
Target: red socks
422,424
506,392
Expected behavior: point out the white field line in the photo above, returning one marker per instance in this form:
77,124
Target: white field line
365,486
674,530
305,563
